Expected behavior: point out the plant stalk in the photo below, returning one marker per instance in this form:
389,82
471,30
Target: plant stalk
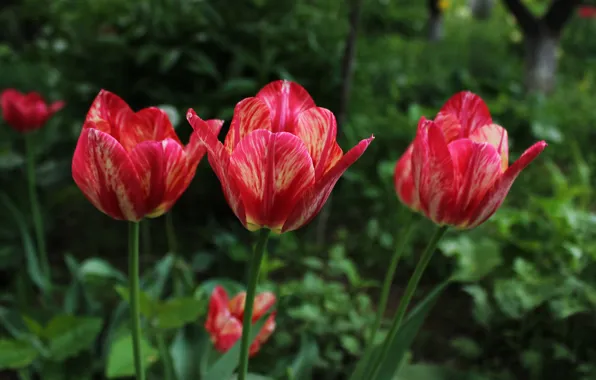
407,297
168,366
253,279
135,315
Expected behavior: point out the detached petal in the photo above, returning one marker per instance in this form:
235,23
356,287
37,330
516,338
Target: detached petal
469,109
404,182
477,167
495,197
103,171
317,128
434,175
496,136
272,171
250,114
219,159
312,201
164,172
286,100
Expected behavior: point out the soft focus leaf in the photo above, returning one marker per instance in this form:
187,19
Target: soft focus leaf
67,335
189,351
304,362
96,268
15,354
177,312
148,307
120,362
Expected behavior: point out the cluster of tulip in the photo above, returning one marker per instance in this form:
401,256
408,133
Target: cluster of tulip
277,166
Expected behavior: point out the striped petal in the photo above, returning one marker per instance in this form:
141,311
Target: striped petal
263,335
433,172
272,171
496,136
263,302
104,172
317,128
218,308
195,150
250,114
286,100
404,182
495,197
112,110
477,167
313,200
228,335
469,109
164,173
450,126
219,160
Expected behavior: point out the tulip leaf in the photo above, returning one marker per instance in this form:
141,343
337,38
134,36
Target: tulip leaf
186,351
148,306
15,354
33,266
303,364
226,365
67,335
177,312
404,338
120,361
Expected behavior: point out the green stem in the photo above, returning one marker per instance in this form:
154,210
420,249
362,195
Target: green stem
171,233
401,242
24,374
170,374
253,278
36,211
133,277
407,297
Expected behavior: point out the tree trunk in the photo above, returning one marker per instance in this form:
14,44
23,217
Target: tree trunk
541,62
435,27
481,9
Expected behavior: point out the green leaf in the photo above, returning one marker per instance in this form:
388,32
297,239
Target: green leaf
67,335
33,266
403,339
188,350
10,160
120,361
253,376
304,362
435,372
34,327
15,354
226,365
148,306
154,281
99,269
177,312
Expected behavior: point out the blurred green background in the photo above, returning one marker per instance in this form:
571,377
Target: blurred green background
524,301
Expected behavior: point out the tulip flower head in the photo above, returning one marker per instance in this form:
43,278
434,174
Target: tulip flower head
26,112
132,165
456,172
224,319
280,159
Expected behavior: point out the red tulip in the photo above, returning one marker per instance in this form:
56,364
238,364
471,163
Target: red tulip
132,165
224,319
456,171
26,112
587,11
280,160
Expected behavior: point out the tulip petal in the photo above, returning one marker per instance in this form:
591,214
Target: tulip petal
285,100
218,307
250,114
263,302
496,136
470,110
312,201
450,126
56,106
164,172
495,197
272,171
263,335
112,110
228,335
404,182
477,167
317,128
104,172
236,305
219,160
433,172
195,149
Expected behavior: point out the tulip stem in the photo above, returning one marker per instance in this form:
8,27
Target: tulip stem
253,279
133,277
401,241
168,366
36,213
405,300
